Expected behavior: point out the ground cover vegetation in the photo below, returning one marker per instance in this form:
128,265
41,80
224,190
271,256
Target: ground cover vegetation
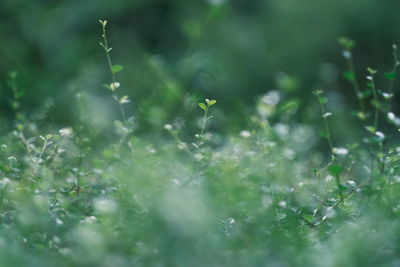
278,192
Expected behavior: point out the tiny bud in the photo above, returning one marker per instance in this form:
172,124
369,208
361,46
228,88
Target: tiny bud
124,100
103,22
168,127
66,131
346,54
245,134
380,135
391,116
340,151
114,86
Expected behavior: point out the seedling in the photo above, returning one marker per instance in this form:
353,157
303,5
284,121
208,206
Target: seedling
205,107
114,69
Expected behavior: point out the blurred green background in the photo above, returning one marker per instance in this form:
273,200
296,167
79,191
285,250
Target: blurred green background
151,204
178,52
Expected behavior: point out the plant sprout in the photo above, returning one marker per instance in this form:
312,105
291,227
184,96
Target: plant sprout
205,107
114,85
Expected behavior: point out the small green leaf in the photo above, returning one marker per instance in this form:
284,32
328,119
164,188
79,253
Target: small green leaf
212,102
203,106
372,71
390,75
289,107
280,216
342,188
365,94
107,86
350,76
346,42
120,128
117,68
324,134
335,169
370,129
323,100
309,218
375,103
103,22
361,115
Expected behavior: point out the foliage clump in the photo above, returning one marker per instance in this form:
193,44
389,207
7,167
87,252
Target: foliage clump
265,196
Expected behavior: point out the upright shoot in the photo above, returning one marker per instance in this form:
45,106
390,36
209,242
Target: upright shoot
114,85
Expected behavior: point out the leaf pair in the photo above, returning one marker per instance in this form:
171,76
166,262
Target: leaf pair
208,104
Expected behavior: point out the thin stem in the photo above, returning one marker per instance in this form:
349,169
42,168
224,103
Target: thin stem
356,87
121,109
26,143
328,135
204,122
78,175
347,196
394,70
327,129
107,50
337,178
376,104
39,158
114,85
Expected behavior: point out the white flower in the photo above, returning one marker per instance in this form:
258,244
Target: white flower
245,134
168,127
89,219
391,116
124,100
271,98
282,204
340,151
387,96
327,114
115,85
231,221
66,131
380,135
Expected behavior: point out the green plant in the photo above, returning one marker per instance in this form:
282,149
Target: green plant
333,168
205,107
114,69
391,76
258,192
351,74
